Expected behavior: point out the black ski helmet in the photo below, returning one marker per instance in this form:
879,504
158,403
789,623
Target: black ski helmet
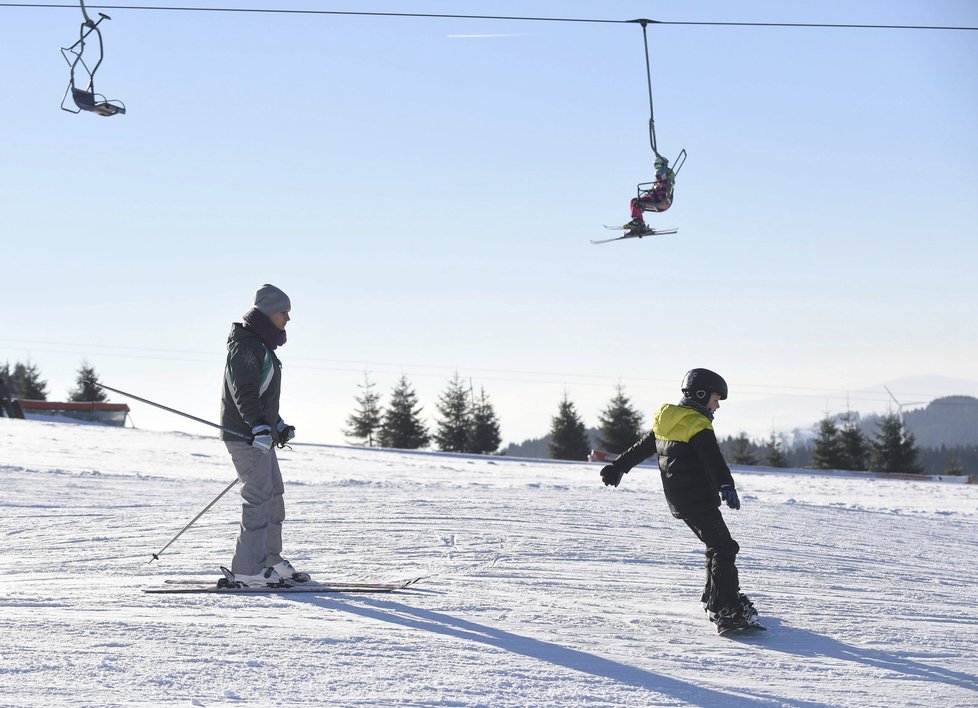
698,384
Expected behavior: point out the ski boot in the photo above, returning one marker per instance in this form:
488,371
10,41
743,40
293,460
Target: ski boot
635,226
290,575
267,577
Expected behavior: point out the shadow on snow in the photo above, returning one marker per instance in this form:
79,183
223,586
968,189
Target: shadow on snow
574,659
802,642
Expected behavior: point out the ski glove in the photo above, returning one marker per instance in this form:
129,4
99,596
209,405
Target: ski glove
285,432
729,495
611,475
261,437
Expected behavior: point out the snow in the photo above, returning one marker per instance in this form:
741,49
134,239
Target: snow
544,587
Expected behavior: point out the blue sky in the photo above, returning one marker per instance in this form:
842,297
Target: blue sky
427,198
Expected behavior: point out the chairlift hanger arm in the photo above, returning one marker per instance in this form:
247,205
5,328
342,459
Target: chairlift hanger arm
85,99
648,74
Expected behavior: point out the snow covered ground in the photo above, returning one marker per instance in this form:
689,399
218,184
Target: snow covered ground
545,587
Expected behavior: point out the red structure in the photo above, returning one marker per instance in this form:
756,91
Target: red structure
107,413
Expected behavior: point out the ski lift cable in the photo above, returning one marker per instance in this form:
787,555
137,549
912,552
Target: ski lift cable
508,18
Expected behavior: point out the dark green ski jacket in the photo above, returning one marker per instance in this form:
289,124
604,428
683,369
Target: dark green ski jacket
252,384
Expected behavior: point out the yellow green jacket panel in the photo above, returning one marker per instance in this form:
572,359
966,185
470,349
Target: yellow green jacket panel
679,423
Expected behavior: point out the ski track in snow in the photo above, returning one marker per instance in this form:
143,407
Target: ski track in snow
544,587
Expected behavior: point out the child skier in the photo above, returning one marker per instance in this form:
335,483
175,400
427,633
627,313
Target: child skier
657,198
695,478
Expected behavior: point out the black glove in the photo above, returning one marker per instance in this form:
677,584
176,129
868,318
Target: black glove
611,475
285,433
261,437
729,495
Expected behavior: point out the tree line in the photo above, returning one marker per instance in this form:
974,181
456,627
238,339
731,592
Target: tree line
465,423
24,381
841,444
468,423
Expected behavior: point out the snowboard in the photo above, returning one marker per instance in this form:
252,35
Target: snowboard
741,631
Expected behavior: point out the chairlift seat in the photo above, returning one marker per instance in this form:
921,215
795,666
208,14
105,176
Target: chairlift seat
88,101
650,198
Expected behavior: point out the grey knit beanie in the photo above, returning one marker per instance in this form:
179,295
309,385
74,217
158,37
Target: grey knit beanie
270,300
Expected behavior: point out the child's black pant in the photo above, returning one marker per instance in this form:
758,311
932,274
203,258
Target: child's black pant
722,584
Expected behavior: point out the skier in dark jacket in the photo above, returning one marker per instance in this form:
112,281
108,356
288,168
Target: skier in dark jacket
252,385
695,478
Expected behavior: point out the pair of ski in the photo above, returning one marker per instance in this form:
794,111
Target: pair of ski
195,585
648,231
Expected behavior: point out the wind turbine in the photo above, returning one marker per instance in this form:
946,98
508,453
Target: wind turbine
901,405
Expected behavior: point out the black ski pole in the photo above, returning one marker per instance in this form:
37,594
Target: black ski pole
171,410
156,556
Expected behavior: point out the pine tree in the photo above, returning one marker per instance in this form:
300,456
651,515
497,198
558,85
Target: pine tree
854,445
774,452
85,386
743,453
953,466
365,420
620,425
893,449
402,426
26,383
568,436
485,427
455,424
828,446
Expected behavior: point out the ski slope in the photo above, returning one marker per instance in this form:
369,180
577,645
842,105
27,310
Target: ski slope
544,587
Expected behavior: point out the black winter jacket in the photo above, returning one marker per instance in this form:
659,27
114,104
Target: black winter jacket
690,462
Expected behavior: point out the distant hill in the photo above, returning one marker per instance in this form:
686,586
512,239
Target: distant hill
949,421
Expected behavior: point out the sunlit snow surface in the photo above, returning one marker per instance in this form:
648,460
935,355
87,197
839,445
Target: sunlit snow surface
544,587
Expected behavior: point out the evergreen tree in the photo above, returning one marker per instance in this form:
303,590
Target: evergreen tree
568,436
455,424
893,449
402,426
774,452
485,427
828,446
365,420
619,425
742,452
26,382
953,465
854,445
85,386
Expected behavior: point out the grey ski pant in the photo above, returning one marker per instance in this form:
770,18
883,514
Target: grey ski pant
262,512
